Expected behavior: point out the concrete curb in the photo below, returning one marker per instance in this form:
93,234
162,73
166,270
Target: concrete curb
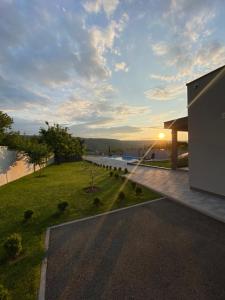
106,213
41,293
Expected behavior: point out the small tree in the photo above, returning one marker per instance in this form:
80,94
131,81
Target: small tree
62,206
28,215
4,293
13,245
111,173
115,168
36,153
119,169
125,171
93,172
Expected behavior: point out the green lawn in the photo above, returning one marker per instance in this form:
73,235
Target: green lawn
164,163
64,182
182,162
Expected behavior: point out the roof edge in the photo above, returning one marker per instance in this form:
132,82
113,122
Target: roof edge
216,70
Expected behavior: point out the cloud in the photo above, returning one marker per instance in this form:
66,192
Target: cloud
84,130
27,126
103,38
160,48
13,96
95,6
122,66
51,50
166,78
45,47
98,112
165,93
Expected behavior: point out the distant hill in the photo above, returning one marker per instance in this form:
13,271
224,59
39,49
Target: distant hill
103,146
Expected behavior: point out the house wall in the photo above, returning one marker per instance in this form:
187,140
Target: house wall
207,133
11,168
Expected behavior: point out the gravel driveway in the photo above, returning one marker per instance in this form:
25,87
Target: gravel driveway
159,250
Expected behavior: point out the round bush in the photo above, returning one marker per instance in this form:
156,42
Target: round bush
62,206
133,184
121,196
13,245
4,293
122,178
138,191
97,202
116,175
28,214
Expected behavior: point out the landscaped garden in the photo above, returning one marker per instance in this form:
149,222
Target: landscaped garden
61,193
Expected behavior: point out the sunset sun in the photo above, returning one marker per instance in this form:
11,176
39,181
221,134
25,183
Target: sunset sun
161,135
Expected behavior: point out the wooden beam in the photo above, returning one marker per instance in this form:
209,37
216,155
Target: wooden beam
174,154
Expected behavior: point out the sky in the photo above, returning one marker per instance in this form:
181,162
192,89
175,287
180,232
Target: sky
110,69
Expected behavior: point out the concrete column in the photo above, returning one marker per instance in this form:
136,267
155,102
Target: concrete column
174,154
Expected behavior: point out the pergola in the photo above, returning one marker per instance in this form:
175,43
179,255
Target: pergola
176,125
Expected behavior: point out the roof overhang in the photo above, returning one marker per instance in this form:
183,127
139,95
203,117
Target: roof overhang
180,124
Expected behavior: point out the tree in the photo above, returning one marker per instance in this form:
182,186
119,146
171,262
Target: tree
5,124
36,153
63,145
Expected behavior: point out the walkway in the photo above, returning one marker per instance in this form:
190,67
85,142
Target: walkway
173,184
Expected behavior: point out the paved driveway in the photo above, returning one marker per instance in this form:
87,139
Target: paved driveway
160,250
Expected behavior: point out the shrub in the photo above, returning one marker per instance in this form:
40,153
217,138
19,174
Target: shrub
116,175
122,178
138,191
107,167
62,206
28,214
110,167
119,169
115,168
133,184
103,166
125,171
111,173
97,202
13,245
121,196
4,293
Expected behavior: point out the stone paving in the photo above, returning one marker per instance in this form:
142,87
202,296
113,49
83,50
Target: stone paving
174,184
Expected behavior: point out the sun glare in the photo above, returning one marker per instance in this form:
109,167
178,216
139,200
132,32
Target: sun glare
161,135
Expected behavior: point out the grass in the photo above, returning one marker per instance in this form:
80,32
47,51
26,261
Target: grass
57,183
164,163
182,162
